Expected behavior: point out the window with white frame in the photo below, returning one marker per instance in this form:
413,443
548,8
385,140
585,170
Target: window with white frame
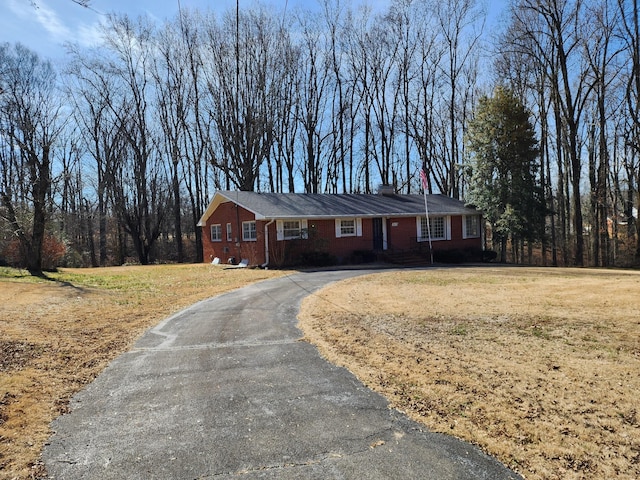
249,231
229,233
438,228
471,226
348,227
291,229
216,233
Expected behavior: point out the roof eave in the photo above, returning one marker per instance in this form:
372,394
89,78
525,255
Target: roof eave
360,215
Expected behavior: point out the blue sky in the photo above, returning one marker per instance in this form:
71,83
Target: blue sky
46,26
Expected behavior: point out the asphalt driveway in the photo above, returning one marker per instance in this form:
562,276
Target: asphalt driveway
226,389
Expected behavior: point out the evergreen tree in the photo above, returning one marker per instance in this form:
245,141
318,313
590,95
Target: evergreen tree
501,163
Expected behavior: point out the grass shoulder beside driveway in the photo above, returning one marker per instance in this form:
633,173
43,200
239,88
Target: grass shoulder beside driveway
56,335
540,367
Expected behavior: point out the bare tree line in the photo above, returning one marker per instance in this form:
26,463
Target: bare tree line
573,62
333,99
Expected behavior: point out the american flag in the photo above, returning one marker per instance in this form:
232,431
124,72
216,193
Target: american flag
424,180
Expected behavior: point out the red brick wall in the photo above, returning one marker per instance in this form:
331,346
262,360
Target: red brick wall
457,242
402,234
342,247
237,248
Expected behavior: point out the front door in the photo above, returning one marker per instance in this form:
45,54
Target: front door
378,234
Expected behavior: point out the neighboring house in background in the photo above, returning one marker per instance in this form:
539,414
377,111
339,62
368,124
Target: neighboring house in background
623,221
279,229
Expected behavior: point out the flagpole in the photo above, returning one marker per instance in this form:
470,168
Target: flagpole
423,177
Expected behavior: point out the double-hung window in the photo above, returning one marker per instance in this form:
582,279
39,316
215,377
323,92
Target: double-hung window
229,233
249,231
216,233
348,227
471,226
292,229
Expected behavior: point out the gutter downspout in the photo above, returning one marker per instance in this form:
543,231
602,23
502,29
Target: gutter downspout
266,243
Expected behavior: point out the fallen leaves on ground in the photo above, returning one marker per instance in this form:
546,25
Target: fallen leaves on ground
539,367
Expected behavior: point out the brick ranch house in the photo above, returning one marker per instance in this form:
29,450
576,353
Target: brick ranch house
276,229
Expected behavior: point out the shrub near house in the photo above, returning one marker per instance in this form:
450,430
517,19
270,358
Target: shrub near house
279,229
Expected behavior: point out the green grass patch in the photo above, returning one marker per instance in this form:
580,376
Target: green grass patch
460,330
19,275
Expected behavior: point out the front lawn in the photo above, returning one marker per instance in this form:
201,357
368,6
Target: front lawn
540,367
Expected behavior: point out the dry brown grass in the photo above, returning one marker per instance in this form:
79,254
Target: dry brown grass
539,367
57,335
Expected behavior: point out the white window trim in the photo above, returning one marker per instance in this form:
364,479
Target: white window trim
229,233
218,227
358,227
304,231
464,226
255,230
447,229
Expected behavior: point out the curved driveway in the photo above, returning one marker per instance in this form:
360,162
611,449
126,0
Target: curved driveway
226,389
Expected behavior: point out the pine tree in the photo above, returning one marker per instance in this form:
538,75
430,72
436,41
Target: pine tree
501,163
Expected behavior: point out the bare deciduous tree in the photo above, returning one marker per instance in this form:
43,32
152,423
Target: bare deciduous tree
31,120
630,32
460,34
138,178
244,84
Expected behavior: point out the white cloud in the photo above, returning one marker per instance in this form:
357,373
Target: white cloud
45,25
49,19
41,14
19,7
89,35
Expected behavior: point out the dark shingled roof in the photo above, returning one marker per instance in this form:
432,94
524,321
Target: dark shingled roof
308,205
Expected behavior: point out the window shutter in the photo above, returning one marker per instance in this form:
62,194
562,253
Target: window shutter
338,223
304,227
279,230
419,228
358,227
447,226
